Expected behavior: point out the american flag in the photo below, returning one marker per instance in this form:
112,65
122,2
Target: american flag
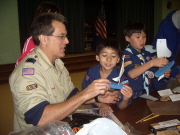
100,23
28,71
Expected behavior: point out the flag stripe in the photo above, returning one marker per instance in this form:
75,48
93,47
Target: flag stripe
101,26
101,30
100,23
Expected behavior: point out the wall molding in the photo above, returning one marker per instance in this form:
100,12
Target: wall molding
73,63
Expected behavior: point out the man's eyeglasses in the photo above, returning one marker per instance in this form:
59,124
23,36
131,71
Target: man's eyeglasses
61,37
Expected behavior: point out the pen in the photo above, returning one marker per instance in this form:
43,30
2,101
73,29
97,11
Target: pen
151,117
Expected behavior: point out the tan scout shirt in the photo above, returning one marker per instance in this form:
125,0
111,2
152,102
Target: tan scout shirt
45,83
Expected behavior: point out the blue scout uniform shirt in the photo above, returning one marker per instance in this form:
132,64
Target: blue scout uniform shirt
94,73
131,61
168,31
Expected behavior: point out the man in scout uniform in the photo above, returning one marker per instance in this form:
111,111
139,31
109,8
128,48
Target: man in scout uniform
41,85
138,63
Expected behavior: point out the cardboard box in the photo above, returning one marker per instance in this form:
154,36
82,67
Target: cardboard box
165,125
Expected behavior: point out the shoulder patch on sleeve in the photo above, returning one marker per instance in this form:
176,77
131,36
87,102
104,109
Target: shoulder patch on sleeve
127,63
32,60
127,56
87,77
27,71
31,86
125,82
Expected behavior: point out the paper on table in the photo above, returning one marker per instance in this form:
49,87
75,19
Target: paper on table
165,92
175,97
176,90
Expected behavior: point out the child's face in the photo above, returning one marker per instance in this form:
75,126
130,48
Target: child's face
137,40
108,58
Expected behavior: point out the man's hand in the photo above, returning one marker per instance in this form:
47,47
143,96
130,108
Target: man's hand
97,87
105,110
109,97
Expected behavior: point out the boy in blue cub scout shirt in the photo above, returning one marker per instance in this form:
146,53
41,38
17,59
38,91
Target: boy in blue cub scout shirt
108,54
139,64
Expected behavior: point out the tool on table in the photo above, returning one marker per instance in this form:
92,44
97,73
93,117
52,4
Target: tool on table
144,118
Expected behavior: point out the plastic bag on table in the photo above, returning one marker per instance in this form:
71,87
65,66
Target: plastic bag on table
51,128
101,126
130,130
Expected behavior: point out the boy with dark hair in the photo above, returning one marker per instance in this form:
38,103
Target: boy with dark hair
139,64
108,54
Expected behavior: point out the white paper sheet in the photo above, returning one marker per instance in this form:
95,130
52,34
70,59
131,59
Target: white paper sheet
165,92
175,97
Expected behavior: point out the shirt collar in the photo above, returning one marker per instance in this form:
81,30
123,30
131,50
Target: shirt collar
44,61
134,51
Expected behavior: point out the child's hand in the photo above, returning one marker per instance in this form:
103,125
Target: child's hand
109,97
159,62
178,76
104,110
167,73
127,92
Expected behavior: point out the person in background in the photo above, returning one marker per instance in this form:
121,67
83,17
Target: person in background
41,87
172,83
138,63
169,29
45,7
108,54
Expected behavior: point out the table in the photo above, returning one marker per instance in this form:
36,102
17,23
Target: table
138,110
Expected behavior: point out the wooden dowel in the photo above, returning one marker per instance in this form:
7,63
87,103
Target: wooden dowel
151,117
144,118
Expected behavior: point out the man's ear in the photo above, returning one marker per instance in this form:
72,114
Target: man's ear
127,38
97,57
42,39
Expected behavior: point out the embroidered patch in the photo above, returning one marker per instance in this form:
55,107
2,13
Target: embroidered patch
150,74
148,58
141,58
87,77
28,71
124,82
127,63
31,60
127,56
31,86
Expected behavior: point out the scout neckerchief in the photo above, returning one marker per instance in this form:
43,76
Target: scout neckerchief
145,77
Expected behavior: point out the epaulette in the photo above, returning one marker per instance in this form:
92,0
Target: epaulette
32,60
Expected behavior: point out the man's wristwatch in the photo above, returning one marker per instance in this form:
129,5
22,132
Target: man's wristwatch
96,99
